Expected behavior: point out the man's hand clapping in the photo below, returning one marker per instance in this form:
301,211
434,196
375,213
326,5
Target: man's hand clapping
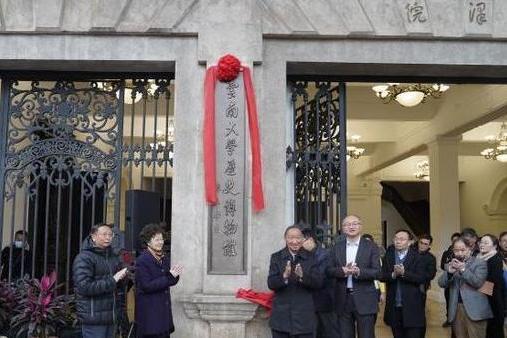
287,271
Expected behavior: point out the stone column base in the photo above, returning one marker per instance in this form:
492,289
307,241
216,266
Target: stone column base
226,314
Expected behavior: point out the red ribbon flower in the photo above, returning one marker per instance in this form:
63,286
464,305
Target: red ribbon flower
228,68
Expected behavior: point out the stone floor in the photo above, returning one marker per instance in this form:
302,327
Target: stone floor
435,316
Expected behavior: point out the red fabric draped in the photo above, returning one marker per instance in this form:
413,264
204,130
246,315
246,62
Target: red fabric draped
264,299
210,169
253,124
209,139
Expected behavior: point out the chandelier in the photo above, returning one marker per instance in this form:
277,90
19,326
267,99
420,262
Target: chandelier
408,95
353,151
423,170
498,150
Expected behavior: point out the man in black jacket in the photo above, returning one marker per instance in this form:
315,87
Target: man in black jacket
354,264
323,299
402,272
293,274
96,272
21,258
429,265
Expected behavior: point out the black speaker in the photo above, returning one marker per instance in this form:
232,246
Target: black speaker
143,207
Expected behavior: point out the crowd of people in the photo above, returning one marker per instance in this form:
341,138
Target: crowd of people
336,292
318,292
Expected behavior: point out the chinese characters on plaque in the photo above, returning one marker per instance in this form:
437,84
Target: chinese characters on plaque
226,249
478,17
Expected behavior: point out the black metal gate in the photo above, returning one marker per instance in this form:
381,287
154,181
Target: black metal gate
69,150
318,156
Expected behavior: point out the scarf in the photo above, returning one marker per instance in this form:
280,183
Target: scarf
487,256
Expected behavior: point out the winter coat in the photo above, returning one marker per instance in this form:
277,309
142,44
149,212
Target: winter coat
95,288
323,298
411,285
293,309
153,298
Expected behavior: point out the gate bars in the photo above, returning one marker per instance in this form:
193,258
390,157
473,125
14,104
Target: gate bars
69,150
318,156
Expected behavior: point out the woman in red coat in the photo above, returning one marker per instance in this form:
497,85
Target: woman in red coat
154,277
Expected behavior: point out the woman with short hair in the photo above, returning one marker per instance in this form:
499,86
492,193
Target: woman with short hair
154,277
488,246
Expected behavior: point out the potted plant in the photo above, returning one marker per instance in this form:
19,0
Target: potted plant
8,300
40,312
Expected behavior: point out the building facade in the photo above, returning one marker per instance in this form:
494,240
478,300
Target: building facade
283,41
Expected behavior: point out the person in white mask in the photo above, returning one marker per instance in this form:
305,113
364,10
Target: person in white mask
21,259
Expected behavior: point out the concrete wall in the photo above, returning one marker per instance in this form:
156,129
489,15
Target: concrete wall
480,179
272,36
394,221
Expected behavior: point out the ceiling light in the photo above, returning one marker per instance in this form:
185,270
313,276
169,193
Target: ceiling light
423,170
498,149
408,95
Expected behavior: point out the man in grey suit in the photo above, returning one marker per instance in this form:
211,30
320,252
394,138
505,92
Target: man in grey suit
354,264
468,308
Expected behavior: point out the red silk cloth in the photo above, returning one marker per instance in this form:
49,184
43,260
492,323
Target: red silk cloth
210,177
264,299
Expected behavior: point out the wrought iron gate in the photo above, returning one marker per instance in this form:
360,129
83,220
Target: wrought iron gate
69,150
318,156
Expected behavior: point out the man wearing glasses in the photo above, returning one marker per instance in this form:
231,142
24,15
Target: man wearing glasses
354,264
96,272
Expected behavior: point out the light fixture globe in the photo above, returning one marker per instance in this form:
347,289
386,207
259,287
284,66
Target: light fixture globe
408,95
498,148
410,98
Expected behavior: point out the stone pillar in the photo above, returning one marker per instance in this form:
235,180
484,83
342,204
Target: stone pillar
444,197
227,316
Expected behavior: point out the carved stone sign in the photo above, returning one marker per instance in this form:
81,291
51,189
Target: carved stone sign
227,234
478,17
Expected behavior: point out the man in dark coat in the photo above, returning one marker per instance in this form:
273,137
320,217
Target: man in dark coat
403,273
154,277
355,264
429,265
21,258
323,298
293,274
96,272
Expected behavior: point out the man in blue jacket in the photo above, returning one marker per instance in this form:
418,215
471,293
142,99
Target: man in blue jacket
96,272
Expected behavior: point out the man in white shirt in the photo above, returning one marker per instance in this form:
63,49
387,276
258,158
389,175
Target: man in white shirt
354,263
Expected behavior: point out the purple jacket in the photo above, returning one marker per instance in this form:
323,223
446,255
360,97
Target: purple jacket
153,298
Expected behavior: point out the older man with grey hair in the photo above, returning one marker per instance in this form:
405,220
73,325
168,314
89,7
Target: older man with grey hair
469,308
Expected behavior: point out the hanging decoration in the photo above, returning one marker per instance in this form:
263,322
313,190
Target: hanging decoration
228,69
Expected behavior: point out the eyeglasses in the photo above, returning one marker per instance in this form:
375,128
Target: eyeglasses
351,224
106,234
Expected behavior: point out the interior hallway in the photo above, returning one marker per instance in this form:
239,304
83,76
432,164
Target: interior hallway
435,316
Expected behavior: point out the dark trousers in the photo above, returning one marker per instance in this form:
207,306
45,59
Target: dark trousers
279,334
446,295
494,329
97,331
349,318
399,331
327,325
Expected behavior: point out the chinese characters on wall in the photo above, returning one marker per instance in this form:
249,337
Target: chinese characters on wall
227,217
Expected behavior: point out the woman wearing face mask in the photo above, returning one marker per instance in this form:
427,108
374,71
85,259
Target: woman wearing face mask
488,251
154,277
21,258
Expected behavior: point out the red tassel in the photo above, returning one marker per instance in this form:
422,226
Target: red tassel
253,124
210,175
